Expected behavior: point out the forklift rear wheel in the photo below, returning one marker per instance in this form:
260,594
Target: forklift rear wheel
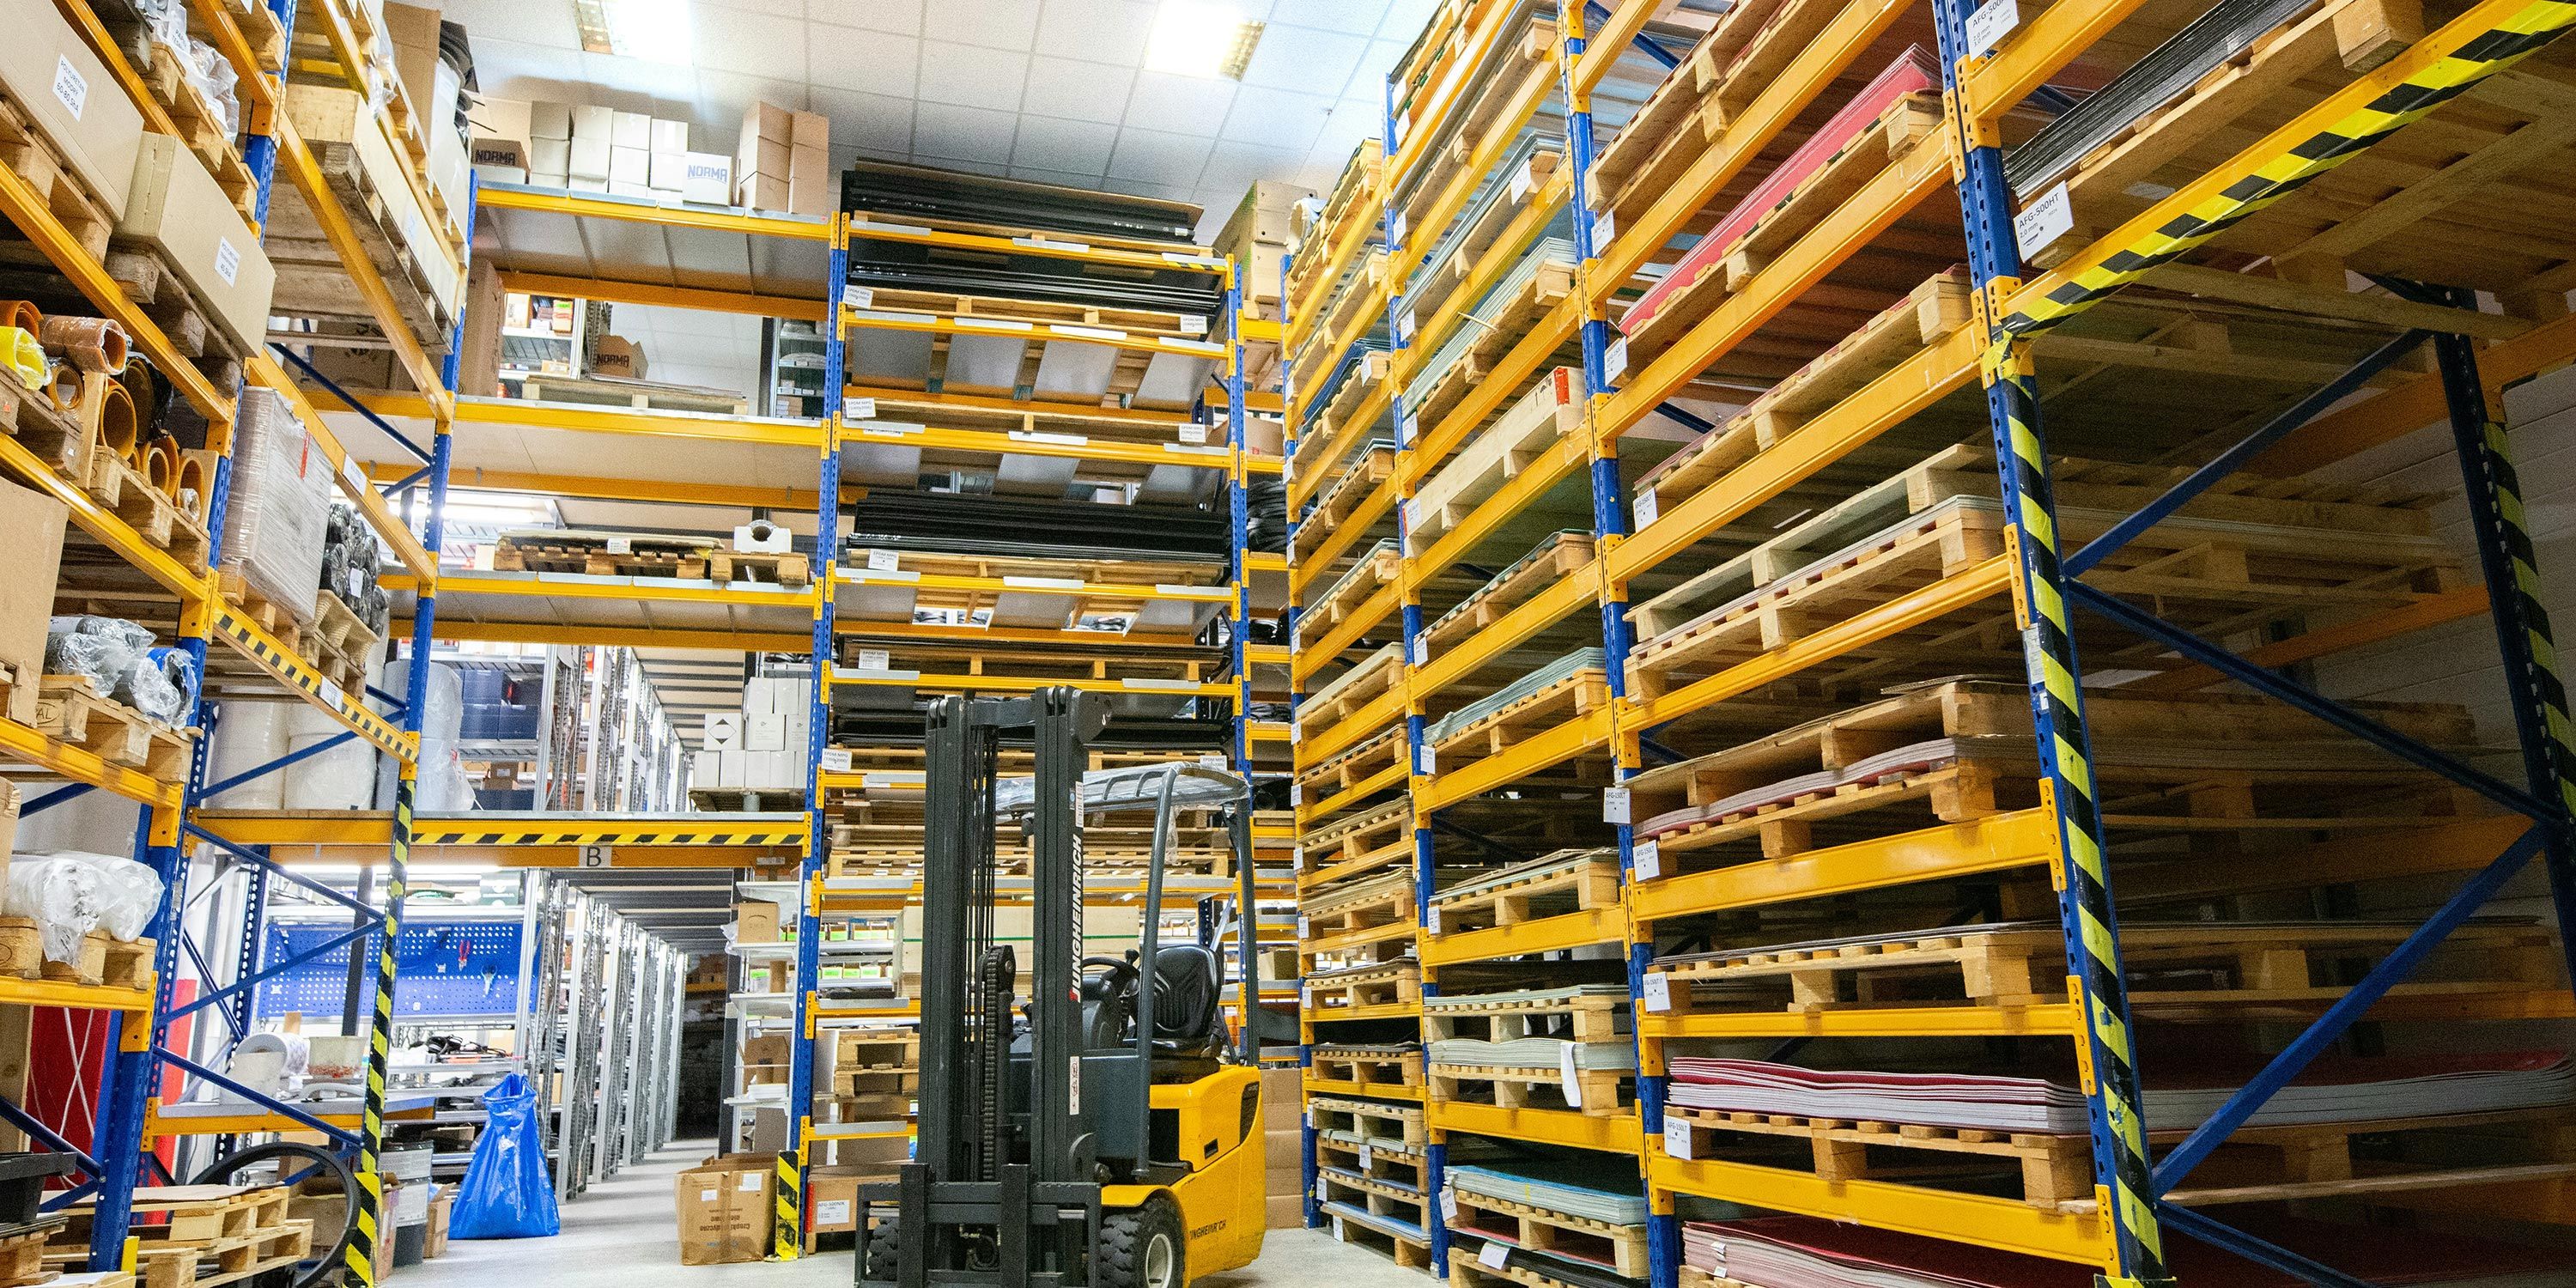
885,1257
1141,1248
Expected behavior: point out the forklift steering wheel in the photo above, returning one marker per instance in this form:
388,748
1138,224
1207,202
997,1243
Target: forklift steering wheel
1117,975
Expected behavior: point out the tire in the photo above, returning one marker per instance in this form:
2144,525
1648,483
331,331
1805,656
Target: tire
885,1257
1143,1247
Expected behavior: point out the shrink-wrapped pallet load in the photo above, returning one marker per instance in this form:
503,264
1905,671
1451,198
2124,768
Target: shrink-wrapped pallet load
279,506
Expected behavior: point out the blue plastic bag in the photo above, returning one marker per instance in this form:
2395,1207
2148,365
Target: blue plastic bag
507,1193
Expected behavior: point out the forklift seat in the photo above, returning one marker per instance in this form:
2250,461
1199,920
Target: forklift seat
1186,1019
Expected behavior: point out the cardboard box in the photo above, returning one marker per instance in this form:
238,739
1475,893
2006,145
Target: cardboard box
706,177
832,1199
629,165
809,130
617,356
767,1075
1261,218
769,121
669,171
489,153
724,1209
478,364
1283,1099
583,183
765,157
174,206
669,136
760,191
9,815
31,530
768,1048
49,73
549,121
755,921
811,188
764,733
325,114
414,33
1284,1212
510,118
593,123
551,156
441,1207
631,130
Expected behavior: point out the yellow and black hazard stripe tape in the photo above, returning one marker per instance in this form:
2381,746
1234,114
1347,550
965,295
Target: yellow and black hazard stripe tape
787,1235
593,836
2548,687
2094,953
296,672
2505,43
372,1222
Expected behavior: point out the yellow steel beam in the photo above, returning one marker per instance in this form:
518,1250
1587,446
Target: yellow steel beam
250,639
745,303
1509,379
1001,328
1528,618
1494,141
1377,713
848,627
31,213
1037,585
26,746
2389,414
1853,30
1877,206
71,996
361,828
1522,759
191,585
1545,935
1213,456
353,478
704,219
1339,1087
295,162
2438,845
2423,614
1363,217
1379,606
2045,1019
640,589
2023,838
1879,621
1261,561
2007,1224
1615,1133
1433,121
1510,502
1882,405
1602,48
806,434
1498,261
1380,781
1346,435
1023,683
1301,401
1991,84
1051,248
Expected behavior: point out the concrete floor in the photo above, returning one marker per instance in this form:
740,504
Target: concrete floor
620,1235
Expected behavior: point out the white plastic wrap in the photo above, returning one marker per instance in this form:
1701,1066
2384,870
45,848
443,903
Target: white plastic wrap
61,896
443,787
128,892
122,663
341,778
279,504
249,735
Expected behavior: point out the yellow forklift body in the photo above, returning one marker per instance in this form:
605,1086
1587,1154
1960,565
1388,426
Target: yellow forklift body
1220,1133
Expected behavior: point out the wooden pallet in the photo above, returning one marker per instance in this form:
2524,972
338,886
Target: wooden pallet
1496,337
1388,984
1911,122
1378,568
1621,1248
1365,682
2174,966
1596,1091
1522,435
1562,701
1408,1253
1582,881
313,282
199,1236
1379,1196
52,434
1360,479
201,126
1580,1018
70,710
1432,321
1358,177
2054,1170
740,800
1366,1069
32,156
1366,759
1402,1124
1129,572
284,622
128,965
876,1082
600,554
1522,63
1368,905
1347,306
154,515
195,331
1467,1269
22,1255
972,307
1562,555
1377,1160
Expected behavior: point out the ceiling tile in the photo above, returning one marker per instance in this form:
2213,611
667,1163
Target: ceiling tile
971,76
1233,167
1179,104
543,25
1360,17
723,97
1404,18
1063,179
1071,146
515,70
877,122
780,8
758,44
901,17
1082,91
966,167
962,133
887,67
1148,156
1305,58
1276,119
996,24
1102,31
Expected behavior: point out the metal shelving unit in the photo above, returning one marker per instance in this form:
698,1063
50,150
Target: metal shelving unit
1865,401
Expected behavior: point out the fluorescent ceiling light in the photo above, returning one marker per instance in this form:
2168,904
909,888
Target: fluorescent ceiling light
1200,38
655,31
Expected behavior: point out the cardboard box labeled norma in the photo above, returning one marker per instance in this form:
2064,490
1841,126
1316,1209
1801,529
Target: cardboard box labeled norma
31,530
706,177
755,921
48,73
724,1209
617,356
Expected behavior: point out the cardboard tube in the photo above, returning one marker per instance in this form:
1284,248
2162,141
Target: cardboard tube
105,406
161,465
189,482
91,344
23,315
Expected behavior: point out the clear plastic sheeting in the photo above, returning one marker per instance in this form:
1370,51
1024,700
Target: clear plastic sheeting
279,508
443,787
246,736
121,662
129,893
341,778
62,897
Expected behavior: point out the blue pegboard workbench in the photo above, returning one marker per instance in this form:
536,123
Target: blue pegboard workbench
454,966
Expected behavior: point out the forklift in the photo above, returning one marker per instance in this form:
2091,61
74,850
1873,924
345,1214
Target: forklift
1107,1135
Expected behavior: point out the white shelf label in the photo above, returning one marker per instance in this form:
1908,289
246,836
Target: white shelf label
1520,185
70,86
859,409
1647,858
836,760
1647,507
1305,926
1421,651
355,475
875,659
1614,805
2043,221
884,561
333,696
831,1212
1404,325
1194,434
1495,1254
1568,1076
1296,731
1993,20
1194,324
1614,363
1429,761
621,545
1677,1136
1448,1207
1605,229
227,260
858,297
1433,922
1657,989
597,856
1297,859
1366,1157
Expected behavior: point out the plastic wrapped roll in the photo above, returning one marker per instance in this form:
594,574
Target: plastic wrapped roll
161,465
190,486
23,356
91,344
249,735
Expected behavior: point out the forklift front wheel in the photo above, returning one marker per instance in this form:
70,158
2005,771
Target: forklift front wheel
1142,1247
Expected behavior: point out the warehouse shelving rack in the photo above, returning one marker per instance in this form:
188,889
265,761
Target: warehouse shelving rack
207,614
2123,1239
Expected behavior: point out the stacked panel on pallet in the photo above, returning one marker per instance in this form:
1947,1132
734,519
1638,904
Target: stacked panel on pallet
1966,900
